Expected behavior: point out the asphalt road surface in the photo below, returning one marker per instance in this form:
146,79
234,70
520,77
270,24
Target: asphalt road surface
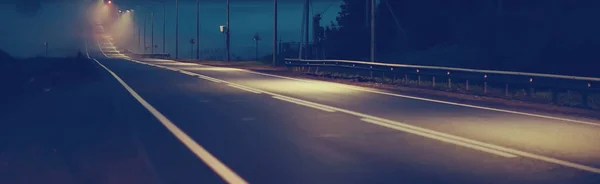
214,124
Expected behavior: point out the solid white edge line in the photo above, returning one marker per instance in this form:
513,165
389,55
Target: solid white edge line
304,104
217,166
461,139
429,100
443,139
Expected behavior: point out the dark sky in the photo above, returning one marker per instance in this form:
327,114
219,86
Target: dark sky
21,36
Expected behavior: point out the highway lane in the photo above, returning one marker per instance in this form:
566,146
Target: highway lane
266,140
565,140
270,129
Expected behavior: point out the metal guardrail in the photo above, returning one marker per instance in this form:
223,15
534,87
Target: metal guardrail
524,80
157,55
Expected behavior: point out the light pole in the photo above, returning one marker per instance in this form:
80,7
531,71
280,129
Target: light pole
274,33
145,19
227,34
306,28
198,29
164,27
152,33
139,31
176,29
373,30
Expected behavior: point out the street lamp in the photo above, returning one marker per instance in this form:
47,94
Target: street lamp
176,29
227,34
274,33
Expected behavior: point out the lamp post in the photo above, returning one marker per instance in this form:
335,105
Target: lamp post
152,32
274,33
227,34
373,30
198,29
164,46
145,19
176,29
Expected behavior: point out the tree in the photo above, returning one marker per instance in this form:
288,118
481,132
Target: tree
349,38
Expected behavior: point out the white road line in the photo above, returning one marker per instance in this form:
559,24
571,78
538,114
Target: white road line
188,73
443,139
217,166
209,79
430,100
244,88
304,104
482,146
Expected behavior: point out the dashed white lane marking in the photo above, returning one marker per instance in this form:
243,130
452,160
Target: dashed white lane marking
439,138
477,145
291,100
244,88
431,100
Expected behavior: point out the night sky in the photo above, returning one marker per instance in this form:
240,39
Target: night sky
60,23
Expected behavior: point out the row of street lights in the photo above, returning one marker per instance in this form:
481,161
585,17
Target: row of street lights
225,29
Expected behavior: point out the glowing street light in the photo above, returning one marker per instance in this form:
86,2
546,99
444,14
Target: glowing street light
109,2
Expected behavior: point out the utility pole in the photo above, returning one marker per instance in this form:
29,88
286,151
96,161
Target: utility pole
228,35
306,28
274,34
139,33
152,33
198,29
145,19
176,29
373,30
164,46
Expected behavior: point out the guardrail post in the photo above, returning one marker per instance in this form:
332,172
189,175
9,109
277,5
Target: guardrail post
467,86
485,84
433,82
449,81
406,79
531,89
506,90
418,78
585,96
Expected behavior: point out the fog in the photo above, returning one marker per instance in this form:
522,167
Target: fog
62,25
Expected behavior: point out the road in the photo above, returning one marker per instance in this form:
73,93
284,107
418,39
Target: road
214,124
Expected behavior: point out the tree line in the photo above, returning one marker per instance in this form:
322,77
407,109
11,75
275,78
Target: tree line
552,36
